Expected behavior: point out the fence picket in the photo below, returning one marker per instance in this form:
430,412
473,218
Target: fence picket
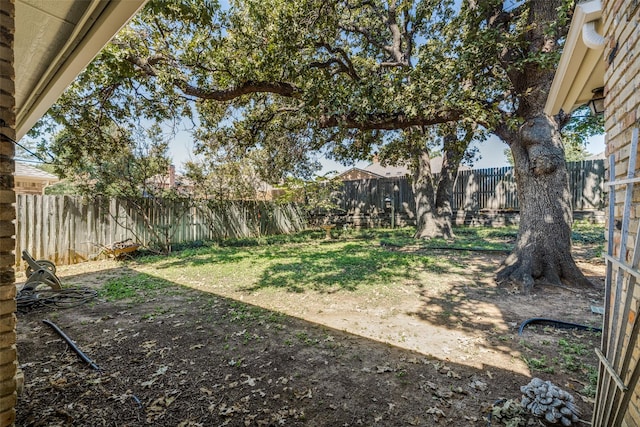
482,189
68,229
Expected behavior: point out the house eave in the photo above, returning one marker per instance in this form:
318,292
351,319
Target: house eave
581,69
38,84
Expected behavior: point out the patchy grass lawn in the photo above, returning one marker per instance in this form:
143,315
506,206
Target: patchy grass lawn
369,328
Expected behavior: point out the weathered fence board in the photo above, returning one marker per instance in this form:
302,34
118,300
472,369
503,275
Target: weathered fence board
475,190
67,229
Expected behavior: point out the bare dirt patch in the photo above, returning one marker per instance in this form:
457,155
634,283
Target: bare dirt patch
201,354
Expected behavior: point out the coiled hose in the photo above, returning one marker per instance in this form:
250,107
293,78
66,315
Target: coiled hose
28,299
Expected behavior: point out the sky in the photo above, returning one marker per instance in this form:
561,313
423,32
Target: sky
491,150
491,153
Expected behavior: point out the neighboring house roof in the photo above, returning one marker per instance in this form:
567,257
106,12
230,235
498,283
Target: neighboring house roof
599,156
376,170
54,41
25,172
387,171
581,67
436,165
171,180
357,173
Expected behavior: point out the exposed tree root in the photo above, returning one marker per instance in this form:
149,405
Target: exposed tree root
518,269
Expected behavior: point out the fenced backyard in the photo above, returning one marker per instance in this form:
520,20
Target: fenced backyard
480,197
297,330
68,230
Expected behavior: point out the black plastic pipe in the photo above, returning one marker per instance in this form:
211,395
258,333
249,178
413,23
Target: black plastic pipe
557,324
73,345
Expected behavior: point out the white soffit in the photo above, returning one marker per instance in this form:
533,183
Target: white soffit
580,70
54,41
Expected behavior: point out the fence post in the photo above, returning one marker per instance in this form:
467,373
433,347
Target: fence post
475,190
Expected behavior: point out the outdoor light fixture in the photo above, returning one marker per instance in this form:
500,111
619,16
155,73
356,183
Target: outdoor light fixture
596,105
389,205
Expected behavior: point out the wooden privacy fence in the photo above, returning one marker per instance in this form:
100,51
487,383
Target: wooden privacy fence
66,229
475,190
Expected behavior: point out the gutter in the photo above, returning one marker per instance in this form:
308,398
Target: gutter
590,36
583,45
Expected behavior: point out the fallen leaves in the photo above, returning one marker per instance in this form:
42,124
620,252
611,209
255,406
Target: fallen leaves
188,374
158,407
190,423
305,394
478,385
206,391
227,411
155,376
251,382
148,345
435,411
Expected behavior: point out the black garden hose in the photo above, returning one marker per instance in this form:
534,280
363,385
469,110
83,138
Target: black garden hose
30,299
73,345
83,356
557,324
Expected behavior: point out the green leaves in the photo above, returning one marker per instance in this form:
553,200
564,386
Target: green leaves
290,78
578,130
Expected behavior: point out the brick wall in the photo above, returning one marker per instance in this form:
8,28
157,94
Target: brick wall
622,92
8,357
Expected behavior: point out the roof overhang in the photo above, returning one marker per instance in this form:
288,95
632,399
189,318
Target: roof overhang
581,68
54,41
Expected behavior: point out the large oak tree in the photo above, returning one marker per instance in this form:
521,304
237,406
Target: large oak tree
344,75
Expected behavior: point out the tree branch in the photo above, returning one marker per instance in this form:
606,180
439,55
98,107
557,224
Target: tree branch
397,58
390,64
345,65
395,48
280,88
363,32
408,37
387,121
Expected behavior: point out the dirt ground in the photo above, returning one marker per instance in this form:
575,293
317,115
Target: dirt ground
200,355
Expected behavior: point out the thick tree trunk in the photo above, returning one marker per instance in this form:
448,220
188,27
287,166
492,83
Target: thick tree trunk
542,251
423,191
434,214
451,158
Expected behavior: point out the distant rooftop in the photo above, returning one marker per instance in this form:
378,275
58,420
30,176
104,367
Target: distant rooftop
599,156
400,171
387,171
375,170
24,171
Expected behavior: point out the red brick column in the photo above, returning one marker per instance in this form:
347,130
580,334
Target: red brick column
8,357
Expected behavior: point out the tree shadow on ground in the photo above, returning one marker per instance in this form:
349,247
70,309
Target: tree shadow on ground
344,269
172,355
196,257
474,304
